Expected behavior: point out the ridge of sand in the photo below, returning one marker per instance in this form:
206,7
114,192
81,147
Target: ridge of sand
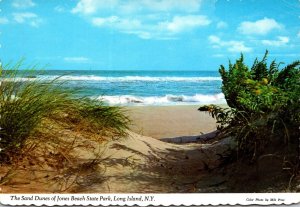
136,164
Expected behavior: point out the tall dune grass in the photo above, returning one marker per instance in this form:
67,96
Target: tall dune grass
25,103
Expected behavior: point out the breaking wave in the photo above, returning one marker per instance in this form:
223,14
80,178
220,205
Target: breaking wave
164,100
132,78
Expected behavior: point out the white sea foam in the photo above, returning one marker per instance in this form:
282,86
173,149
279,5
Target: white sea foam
17,79
132,78
163,100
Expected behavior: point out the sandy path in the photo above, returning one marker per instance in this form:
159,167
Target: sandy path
140,164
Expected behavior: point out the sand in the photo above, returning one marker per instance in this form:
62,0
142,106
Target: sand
133,164
138,163
170,121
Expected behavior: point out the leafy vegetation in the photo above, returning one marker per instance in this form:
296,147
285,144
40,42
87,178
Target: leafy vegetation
25,104
264,113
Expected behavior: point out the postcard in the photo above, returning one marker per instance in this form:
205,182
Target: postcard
149,102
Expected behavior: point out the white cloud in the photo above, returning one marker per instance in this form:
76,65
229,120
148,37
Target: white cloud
144,18
281,41
59,9
259,27
184,23
168,5
298,35
116,23
3,20
152,34
23,4
157,30
221,25
91,6
87,7
232,46
27,18
77,59
22,17
214,39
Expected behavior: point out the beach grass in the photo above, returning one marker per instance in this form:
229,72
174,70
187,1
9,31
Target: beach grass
25,104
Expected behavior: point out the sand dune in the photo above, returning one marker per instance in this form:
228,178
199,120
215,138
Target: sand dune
136,164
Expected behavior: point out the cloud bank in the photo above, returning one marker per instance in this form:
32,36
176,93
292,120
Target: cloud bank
146,19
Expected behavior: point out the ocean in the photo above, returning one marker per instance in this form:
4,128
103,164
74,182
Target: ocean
143,87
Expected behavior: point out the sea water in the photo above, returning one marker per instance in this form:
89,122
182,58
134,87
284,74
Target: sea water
121,87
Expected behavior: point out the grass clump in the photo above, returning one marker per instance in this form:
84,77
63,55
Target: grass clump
264,113
26,103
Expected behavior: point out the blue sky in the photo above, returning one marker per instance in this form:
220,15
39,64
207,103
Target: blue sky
147,34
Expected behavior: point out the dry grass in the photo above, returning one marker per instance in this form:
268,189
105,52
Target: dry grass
46,129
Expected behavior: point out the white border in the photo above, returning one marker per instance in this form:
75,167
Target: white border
151,199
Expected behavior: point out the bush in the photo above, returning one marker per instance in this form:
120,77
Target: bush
24,104
264,113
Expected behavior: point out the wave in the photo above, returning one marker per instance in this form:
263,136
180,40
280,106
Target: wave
18,79
131,78
164,100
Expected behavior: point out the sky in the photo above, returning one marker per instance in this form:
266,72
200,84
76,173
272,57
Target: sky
147,34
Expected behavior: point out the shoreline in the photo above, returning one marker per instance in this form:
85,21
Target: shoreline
170,121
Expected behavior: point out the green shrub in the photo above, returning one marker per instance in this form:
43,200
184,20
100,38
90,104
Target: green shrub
222,115
264,113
